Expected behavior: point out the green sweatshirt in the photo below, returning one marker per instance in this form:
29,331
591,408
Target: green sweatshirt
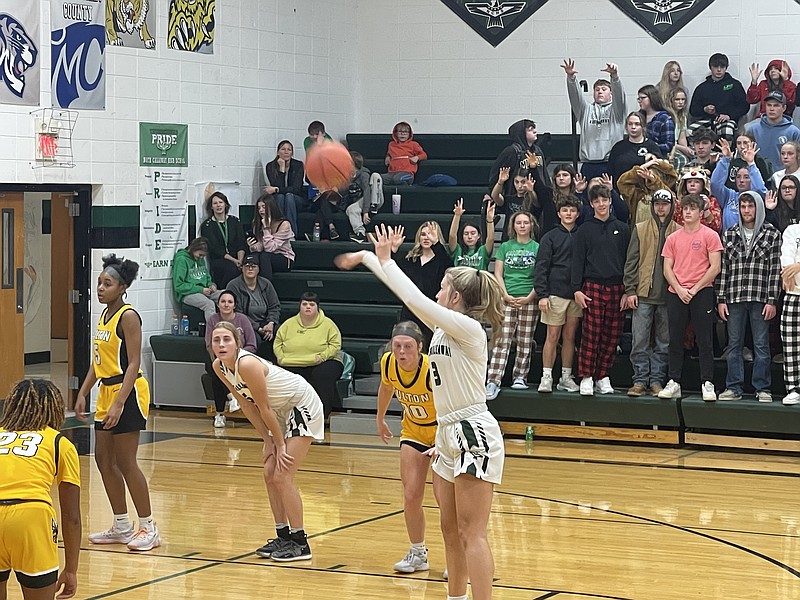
297,345
189,276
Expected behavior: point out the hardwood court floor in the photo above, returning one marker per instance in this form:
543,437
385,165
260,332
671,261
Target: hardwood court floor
570,522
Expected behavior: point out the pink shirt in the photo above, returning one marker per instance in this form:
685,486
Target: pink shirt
690,254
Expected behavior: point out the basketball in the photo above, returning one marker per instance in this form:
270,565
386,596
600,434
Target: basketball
329,166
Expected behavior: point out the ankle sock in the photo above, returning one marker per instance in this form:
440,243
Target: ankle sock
566,373
421,546
547,372
282,529
122,522
297,535
147,523
464,597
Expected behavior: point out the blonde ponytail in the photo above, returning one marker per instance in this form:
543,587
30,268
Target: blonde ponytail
481,294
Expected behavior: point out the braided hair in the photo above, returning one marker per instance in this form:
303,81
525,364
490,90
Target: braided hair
32,405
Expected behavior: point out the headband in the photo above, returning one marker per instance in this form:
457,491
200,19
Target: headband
409,331
114,272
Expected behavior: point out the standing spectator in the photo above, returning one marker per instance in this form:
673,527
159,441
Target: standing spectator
316,133
521,198
745,139
513,269
692,257
747,178
191,282
790,315
783,209
602,122
402,156
271,238
660,125
695,181
633,150
677,104
285,181
777,78
466,245
790,160
308,344
225,237
618,206
257,299
671,81
748,290
365,198
773,129
719,102
646,291
638,185
523,154
598,262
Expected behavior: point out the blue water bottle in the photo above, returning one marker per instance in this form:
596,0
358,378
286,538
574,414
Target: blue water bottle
176,325
185,325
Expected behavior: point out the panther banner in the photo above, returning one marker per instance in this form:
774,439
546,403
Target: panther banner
19,38
131,23
163,195
662,18
494,20
77,50
191,25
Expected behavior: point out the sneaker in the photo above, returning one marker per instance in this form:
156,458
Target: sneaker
332,235
709,393
145,540
519,384
567,384
672,390
546,384
778,358
292,551
415,560
587,387
219,421
492,390
233,404
792,397
271,546
359,238
636,390
747,354
764,396
113,536
603,386
373,209
730,395
656,388
444,575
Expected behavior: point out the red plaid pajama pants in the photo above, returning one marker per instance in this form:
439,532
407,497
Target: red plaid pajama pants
601,329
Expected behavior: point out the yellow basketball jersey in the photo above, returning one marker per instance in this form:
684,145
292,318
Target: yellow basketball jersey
110,353
31,460
411,388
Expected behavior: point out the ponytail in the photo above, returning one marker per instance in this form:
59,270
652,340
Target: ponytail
481,294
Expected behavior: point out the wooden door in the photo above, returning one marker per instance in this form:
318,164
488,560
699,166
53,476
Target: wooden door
12,257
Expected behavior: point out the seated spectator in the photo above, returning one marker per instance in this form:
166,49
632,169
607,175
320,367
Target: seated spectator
745,139
257,299
638,185
790,159
227,312
719,102
671,81
365,198
308,344
316,133
402,156
191,282
783,209
777,78
703,142
225,237
695,181
271,238
677,104
773,129
747,178
632,151
284,176
466,245
325,204
660,125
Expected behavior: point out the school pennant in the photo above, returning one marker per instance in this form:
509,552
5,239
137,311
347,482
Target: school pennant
494,20
662,18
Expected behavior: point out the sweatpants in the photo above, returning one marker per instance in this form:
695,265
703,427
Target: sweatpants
700,313
601,330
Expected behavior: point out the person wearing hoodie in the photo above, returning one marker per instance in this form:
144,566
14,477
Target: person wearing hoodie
774,129
747,178
748,289
256,297
191,281
777,77
743,140
646,292
365,195
598,261
518,156
402,156
602,121
308,344
719,102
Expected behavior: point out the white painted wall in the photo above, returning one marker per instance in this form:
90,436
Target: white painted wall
36,296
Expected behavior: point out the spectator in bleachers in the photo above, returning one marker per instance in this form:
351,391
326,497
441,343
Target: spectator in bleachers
513,269
671,81
692,257
521,198
225,237
602,122
703,142
425,264
466,245
284,176
618,206
271,238
257,299
308,344
660,125
719,102
638,185
748,290
365,198
598,261
745,139
551,281
773,129
191,281
646,292
633,150
316,133
523,154
790,314
790,160
777,78
783,209
677,105
695,181
402,156
747,178
227,312
324,205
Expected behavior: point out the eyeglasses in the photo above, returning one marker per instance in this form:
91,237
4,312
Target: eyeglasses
640,98
785,188
249,266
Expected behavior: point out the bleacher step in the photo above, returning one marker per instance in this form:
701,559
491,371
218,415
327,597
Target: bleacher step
362,424
366,402
368,385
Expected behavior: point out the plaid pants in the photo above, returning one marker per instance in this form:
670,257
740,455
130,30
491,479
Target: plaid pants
518,324
790,333
602,328
726,129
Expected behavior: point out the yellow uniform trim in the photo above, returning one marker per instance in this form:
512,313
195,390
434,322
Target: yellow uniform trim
413,390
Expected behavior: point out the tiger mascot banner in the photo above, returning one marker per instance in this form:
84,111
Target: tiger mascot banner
191,25
77,50
19,52
131,23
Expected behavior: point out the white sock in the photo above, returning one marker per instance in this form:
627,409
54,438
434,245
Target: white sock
122,522
464,597
420,546
565,373
147,523
547,372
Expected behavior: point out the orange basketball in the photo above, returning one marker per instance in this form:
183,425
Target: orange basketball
329,166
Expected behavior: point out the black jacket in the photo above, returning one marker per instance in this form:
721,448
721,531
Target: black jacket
515,156
727,95
599,251
290,182
217,248
553,272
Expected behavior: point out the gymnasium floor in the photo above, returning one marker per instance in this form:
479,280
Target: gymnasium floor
571,521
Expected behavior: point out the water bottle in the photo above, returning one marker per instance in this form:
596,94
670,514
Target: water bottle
185,325
317,232
529,431
175,324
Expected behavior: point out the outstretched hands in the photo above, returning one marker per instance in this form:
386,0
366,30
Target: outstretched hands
569,67
771,200
725,148
612,69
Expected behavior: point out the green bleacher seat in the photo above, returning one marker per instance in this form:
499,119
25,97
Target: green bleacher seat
356,320
334,286
366,351
319,256
435,200
466,172
411,221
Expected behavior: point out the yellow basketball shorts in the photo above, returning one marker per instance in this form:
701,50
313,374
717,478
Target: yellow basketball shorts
28,543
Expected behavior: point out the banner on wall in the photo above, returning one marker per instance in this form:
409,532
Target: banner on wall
163,194
204,189
191,25
662,18
131,23
77,50
19,52
494,20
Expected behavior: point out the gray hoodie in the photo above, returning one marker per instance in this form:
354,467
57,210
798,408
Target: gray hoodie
602,125
761,212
